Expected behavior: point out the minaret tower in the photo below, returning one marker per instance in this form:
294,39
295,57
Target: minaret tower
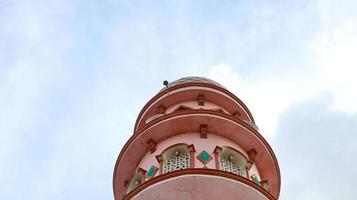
196,140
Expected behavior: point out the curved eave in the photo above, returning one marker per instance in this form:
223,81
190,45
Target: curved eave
211,179
188,121
183,85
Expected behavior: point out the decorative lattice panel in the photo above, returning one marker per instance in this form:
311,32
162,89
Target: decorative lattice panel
177,162
229,166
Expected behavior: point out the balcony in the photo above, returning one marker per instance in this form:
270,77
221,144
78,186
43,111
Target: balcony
205,184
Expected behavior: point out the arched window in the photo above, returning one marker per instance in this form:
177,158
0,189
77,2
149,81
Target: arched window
229,165
136,180
231,160
176,158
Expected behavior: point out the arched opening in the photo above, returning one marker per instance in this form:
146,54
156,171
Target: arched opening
177,157
232,161
137,179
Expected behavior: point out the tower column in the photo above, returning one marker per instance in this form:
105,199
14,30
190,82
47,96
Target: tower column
196,140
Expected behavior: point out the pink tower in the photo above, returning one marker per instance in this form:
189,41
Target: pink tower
196,140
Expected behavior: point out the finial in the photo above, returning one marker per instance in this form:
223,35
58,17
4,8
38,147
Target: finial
166,84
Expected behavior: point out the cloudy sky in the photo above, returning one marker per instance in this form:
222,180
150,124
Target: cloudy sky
75,74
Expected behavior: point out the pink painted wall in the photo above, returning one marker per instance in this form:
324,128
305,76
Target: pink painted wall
200,144
199,187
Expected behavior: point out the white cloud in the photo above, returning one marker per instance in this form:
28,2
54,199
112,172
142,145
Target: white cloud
336,62
266,100
332,67
225,75
313,144
32,53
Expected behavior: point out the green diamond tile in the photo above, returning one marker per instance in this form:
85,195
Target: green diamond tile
255,179
152,171
204,157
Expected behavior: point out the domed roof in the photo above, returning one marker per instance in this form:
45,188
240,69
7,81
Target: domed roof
193,79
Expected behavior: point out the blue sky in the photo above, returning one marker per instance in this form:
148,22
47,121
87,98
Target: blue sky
75,74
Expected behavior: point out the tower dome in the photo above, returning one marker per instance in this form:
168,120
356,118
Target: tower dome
196,140
193,79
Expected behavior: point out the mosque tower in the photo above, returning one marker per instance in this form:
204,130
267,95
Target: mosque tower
196,140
